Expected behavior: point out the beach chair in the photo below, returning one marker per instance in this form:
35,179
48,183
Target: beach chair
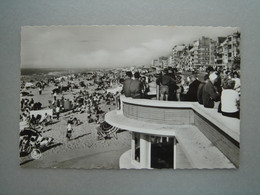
106,131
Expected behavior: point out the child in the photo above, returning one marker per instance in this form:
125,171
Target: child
69,129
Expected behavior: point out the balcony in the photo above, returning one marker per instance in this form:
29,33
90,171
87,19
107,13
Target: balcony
205,137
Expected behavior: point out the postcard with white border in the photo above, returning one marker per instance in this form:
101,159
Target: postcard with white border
130,97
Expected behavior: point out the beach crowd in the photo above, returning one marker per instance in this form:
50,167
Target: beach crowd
70,95
215,88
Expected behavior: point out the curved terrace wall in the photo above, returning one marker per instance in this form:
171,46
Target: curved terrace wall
222,131
159,114
178,113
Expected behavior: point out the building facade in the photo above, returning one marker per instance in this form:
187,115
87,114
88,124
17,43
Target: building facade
204,52
228,50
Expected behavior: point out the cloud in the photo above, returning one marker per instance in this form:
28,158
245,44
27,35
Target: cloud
134,52
105,46
100,54
160,47
95,58
156,44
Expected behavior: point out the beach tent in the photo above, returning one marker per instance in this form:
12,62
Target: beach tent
28,84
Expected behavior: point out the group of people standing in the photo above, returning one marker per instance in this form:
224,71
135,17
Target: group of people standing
135,88
173,86
218,86
167,82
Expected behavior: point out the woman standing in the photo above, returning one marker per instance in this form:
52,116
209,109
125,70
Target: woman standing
69,129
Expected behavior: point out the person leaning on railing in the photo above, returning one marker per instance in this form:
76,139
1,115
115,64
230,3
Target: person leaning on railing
126,85
200,89
145,86
136,87
164,82
230,100
191,94
210,94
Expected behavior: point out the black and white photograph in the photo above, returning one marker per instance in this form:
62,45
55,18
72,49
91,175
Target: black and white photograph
130,97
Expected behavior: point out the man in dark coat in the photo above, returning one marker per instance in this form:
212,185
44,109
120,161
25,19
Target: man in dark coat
127,83
191,95
136,87
210,93
200,89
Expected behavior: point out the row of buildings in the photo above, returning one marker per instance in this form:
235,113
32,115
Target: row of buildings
204,52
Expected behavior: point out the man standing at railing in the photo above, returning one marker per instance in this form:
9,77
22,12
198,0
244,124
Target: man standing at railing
210,93
136,87
127,83
164,82
191,94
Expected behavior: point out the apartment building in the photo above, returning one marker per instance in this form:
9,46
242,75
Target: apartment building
201,53
228,49
204,52
161,62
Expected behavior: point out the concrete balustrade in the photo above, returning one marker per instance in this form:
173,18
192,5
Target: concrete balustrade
208,139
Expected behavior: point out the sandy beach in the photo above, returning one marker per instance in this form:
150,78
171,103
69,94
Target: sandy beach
84,150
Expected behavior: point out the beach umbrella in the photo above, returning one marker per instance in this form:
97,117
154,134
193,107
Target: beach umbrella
29,132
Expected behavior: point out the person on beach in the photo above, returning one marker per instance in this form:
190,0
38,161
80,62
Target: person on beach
46,119
55,96
40,90
33,121
57,110
69,129
32,101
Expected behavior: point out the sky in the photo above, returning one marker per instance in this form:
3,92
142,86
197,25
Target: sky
106,46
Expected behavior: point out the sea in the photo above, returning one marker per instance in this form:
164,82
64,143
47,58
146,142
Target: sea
37,74
51,71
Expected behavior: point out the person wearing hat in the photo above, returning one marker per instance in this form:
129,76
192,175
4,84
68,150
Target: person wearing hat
210,93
